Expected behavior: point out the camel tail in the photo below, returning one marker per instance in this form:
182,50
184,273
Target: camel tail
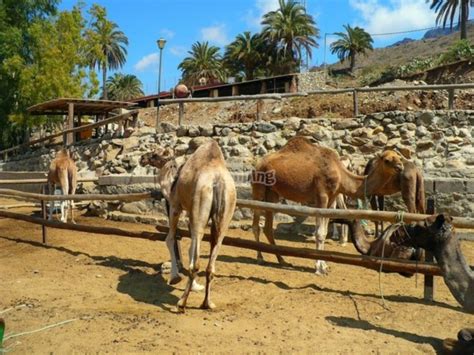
420,193
218,206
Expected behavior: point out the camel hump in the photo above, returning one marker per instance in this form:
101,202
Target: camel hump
207,152
299,144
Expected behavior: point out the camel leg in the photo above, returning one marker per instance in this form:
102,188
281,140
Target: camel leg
199,217
64,181
73,191
170,243
341,204
268,230
321,233
381,208
256,232
51,188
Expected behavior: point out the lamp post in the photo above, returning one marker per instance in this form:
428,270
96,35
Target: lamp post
161,44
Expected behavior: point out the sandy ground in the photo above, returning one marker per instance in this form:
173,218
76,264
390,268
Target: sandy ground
120,302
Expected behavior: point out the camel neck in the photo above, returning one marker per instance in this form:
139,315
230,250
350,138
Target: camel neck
457,274
361,186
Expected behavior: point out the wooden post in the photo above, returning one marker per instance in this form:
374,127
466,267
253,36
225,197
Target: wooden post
45,216
70,124
356,104
429,289
451,99
259,109
181,113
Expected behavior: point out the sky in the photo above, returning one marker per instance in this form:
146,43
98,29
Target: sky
183,22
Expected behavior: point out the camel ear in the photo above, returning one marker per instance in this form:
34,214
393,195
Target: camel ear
442,219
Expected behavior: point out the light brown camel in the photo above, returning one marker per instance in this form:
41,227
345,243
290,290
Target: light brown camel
205,189
63,172
441,240
409,182
313,175
395,242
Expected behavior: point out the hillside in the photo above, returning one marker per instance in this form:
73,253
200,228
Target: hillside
403,53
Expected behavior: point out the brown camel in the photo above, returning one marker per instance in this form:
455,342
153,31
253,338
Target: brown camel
409,182
205,189
441,240
395,242
63,172
313,175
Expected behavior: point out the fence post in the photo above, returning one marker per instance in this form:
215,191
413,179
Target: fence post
356,104
259,109
451,99
429,288
181,113
45,216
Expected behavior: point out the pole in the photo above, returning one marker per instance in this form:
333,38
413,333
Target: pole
325,65
159,90
429,288
45,217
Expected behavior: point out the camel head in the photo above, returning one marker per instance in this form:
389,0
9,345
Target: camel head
389,163
157,158
433,232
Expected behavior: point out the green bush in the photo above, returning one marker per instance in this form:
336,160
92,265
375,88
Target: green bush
460,50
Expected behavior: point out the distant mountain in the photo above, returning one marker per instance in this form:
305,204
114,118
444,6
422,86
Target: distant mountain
438,32
403,41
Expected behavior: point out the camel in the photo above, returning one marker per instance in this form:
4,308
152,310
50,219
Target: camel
441,240
63,172
463,345
313,175
395,242
409,182
204,188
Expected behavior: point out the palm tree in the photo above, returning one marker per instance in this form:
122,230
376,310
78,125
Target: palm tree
292,30
107,45
355,41
447,9
123,87
244,54
204,62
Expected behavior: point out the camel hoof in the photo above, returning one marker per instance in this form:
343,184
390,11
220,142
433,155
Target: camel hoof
197,287
321,268
343,244
175,279
208,305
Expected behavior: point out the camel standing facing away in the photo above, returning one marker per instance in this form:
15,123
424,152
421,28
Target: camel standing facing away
63,172
205,189
313,175
409,182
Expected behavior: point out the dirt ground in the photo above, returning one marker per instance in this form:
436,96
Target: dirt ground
113,290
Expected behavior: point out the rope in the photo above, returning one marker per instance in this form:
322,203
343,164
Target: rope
11,336
388,232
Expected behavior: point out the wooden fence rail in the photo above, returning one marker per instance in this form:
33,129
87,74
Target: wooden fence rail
41,181
458,222
343,258
72,130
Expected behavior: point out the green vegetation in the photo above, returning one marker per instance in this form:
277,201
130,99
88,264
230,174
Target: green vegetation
448,9
355,41
46,54
278,49
122,87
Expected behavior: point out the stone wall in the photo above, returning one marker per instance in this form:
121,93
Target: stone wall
440,142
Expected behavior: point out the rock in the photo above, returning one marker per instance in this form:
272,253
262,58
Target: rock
363,132
180,149
357,141
224,132
136,207
206,130
346,124
244,139
233,141
265,127
193,131
120,170
426,119
424,144
269,143
118,142
292,123
380,139
167,127
182,131
240,151
421,131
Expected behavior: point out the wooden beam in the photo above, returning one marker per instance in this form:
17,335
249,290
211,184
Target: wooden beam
41,181
458,222
86,197
348,259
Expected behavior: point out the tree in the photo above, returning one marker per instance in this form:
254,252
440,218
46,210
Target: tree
204,61
355,41
123,87
244,54
41,58
107,44
447,10
291,30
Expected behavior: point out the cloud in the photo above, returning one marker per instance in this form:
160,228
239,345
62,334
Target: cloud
215,34
178,51
254,16
397,16
150,60
167,33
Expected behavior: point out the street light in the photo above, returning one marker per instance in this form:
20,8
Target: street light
161,44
